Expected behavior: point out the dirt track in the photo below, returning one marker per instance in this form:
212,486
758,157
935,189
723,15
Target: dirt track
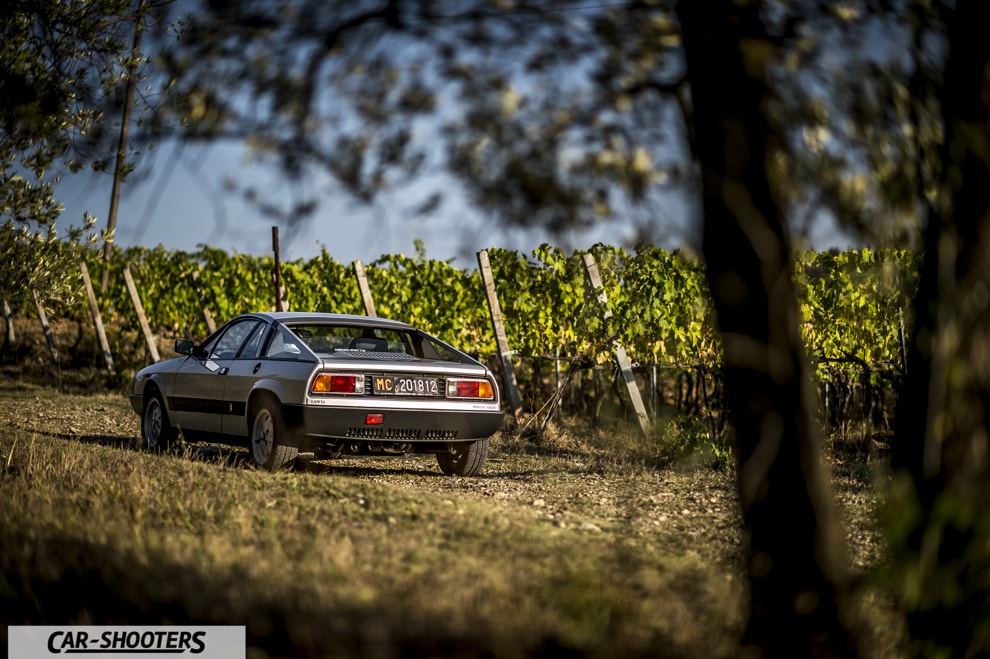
694,510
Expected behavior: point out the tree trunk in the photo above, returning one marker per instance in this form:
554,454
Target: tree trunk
796,565
942,447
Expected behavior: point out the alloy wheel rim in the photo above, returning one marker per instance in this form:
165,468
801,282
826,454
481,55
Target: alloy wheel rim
263,436
154,423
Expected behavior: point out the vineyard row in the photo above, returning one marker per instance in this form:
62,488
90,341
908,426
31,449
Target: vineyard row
853,303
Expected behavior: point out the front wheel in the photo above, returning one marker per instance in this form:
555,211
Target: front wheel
157,434
271,442
465,459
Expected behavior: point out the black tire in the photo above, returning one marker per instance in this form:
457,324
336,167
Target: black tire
463,459
157,433
272,445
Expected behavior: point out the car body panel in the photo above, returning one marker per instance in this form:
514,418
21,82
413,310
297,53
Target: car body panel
247,377
195,401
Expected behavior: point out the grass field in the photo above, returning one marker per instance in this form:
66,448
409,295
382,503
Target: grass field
580,547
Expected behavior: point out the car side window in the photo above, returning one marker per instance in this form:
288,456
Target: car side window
283,345
210,342
431,349
233,337
250,349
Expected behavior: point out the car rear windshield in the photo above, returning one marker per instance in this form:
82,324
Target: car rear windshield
325,340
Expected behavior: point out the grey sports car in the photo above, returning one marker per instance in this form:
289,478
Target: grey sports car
285,383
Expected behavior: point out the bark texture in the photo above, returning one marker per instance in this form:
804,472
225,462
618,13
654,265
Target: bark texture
942,447
796,568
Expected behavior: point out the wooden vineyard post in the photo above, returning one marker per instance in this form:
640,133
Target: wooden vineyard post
362,281
142,319
97,319
620,352
8,316
505,357
279,291
210,325
43,317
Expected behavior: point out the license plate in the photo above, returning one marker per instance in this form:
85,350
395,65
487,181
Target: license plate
405,385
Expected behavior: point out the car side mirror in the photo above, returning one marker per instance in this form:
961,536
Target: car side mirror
187,347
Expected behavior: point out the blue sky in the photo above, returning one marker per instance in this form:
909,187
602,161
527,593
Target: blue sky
181,201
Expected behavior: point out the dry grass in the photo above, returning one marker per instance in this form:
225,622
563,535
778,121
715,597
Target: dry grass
350,558
579,546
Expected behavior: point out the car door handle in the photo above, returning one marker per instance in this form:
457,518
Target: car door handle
224,371
256,368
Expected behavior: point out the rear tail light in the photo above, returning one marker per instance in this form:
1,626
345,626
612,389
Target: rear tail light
338,383
458,388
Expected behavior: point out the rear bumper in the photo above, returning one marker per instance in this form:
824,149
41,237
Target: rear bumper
397,425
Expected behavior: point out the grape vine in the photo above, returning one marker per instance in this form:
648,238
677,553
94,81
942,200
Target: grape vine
853,303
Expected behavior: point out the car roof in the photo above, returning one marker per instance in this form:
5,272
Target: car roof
326,318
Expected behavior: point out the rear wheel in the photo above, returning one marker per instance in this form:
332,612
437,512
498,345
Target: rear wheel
157,433
465,459
272,445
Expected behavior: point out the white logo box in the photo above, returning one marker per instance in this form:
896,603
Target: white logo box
123,641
